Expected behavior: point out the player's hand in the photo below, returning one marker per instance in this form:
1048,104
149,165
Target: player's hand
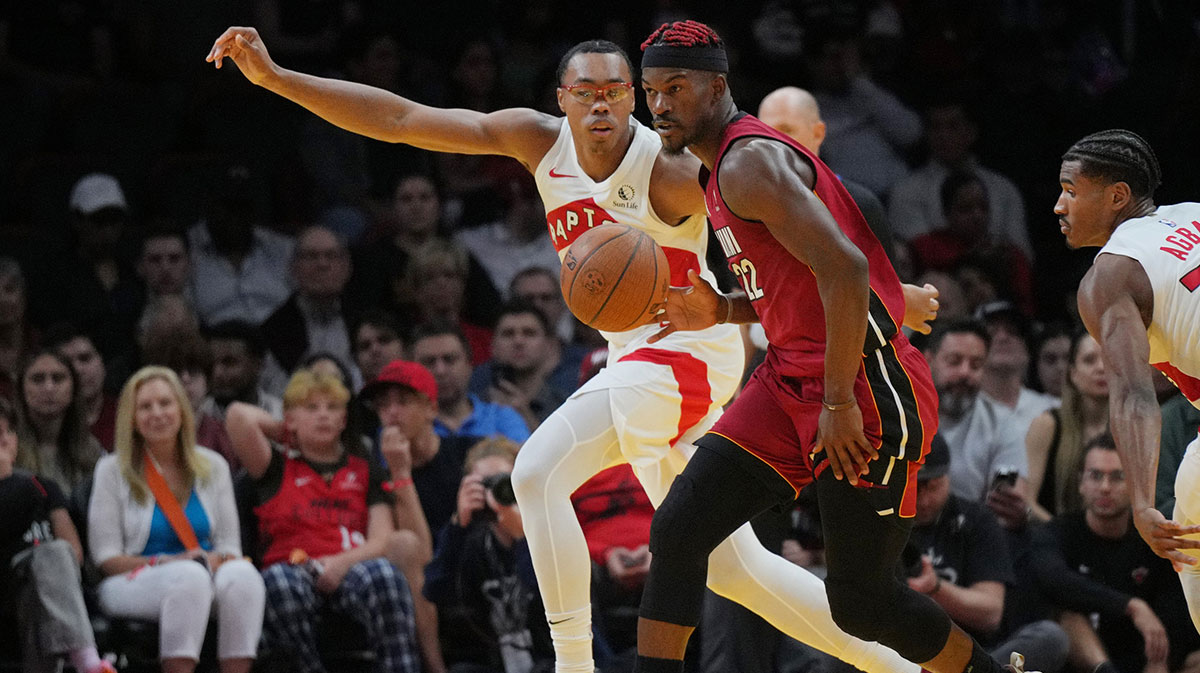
396,451
1166,537
920,307
689,308
245,47
840,433
1154,635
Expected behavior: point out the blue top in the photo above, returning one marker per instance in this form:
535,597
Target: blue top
163,539
487,419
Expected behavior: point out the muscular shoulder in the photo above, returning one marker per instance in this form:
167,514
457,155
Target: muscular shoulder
675,189
754,167
1112,280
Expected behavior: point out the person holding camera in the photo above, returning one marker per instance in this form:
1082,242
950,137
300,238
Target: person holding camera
481,576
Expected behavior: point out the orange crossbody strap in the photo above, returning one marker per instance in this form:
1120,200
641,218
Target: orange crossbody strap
169,505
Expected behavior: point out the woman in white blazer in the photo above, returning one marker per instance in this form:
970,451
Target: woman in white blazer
149,571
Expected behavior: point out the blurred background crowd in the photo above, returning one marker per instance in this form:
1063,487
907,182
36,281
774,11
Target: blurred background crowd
157,213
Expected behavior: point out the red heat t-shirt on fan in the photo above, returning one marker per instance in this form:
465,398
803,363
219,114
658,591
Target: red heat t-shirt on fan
782,289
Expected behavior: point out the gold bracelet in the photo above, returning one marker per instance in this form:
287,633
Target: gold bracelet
728,310
841,406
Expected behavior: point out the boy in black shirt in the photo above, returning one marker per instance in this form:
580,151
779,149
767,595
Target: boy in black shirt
39,565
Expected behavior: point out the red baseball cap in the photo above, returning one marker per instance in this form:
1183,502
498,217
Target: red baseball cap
407,374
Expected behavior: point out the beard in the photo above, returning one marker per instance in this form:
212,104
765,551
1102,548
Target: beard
955,400
674,146
679,141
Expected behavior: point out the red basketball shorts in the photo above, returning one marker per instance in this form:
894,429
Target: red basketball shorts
775,419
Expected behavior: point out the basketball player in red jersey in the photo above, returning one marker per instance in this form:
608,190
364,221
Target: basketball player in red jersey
842,397
649,404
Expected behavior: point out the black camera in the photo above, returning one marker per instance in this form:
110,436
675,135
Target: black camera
500,485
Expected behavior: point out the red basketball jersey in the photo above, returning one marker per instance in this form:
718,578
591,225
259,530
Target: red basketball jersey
308,513
782,289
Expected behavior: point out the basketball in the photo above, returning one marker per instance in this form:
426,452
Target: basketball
615,277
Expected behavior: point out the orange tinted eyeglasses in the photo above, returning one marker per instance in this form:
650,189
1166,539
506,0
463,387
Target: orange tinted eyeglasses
589,93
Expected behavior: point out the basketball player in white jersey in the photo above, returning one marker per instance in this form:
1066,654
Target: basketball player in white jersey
1141,301
597,165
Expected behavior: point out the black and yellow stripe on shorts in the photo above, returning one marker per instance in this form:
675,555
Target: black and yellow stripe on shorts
900,426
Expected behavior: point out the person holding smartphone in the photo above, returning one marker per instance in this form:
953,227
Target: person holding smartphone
975,427
529,371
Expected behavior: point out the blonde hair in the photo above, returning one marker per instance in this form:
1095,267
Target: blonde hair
489,447
1068,462
305,383
436,255
131,447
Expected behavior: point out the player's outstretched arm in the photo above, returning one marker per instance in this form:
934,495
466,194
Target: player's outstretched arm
1116,304
767,181
520,133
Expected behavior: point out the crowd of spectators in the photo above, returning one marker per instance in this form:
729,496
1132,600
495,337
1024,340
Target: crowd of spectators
251,361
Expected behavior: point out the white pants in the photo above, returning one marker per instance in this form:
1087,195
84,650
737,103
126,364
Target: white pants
1187,513
179,596
599,427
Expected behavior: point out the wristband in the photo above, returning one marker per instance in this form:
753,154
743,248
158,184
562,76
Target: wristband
728,310
840,406
396,484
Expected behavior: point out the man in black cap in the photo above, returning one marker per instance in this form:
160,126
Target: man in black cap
958,555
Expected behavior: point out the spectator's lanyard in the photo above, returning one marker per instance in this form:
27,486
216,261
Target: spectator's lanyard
169,504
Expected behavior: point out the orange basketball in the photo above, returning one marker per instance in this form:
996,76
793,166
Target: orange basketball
614,277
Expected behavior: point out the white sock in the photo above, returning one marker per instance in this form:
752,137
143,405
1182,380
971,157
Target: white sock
572,636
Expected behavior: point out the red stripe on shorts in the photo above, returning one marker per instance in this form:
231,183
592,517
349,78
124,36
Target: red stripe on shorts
691,375
1188,385
908,501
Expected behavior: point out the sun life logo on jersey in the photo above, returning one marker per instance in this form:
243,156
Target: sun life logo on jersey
625,196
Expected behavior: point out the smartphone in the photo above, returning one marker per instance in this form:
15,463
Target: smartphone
1005,475
502,373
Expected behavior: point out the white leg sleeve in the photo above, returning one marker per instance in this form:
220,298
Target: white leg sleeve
570,446
240,597
177,595
1187,512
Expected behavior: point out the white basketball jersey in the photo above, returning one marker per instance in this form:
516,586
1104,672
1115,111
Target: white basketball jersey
575,203
1167,245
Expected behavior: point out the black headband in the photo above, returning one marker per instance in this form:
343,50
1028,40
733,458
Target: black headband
699,57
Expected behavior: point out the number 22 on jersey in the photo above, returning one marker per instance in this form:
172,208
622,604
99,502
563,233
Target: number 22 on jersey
742,268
